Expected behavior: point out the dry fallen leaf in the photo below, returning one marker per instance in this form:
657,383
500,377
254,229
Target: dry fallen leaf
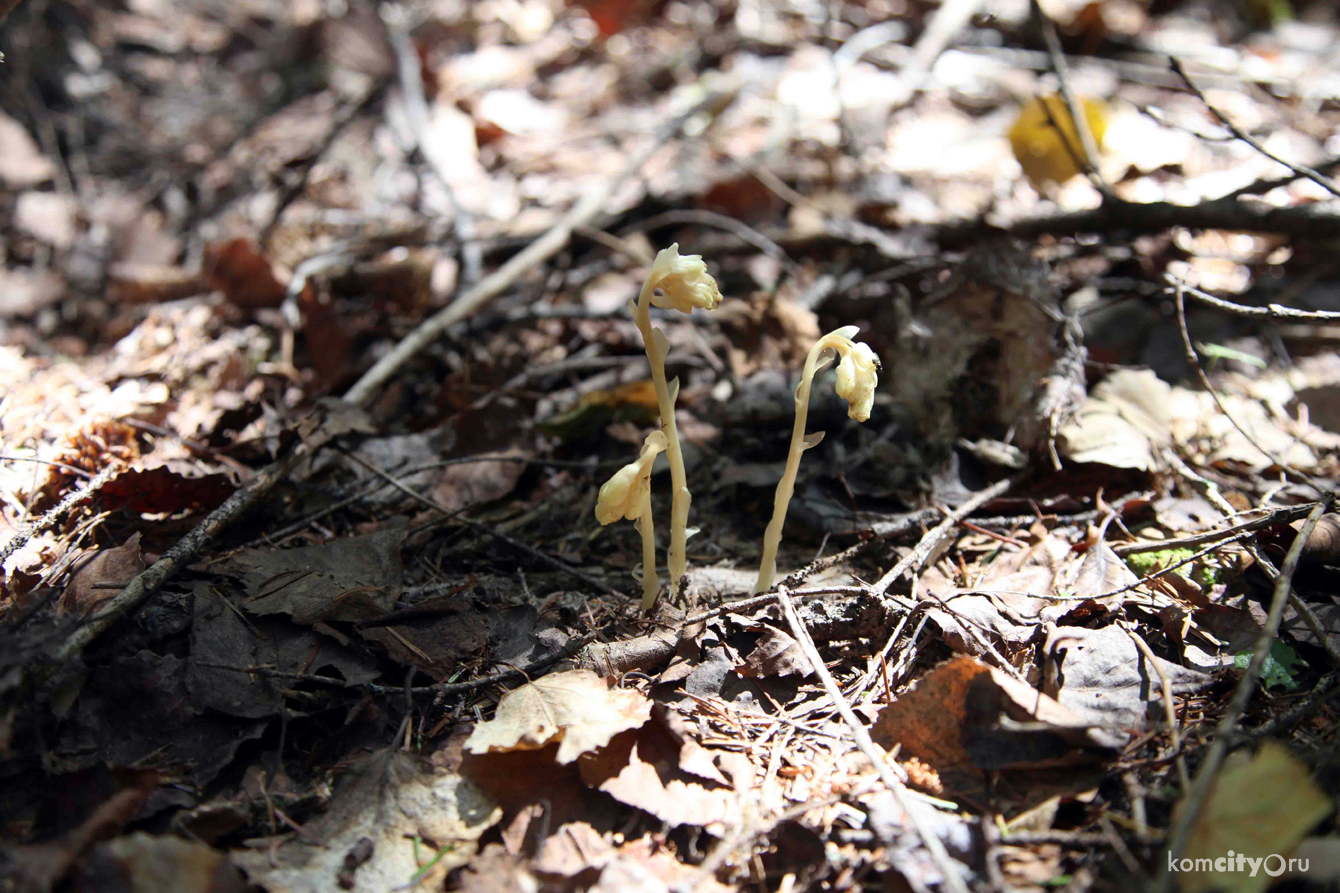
1124,423
21,161
1045,141
101,575
663,771
1259,807
966,715
411,814
575,708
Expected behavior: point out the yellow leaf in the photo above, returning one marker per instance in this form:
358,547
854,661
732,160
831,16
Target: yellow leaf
1259,809
1038,144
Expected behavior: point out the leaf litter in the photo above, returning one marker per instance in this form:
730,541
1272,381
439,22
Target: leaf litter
413,660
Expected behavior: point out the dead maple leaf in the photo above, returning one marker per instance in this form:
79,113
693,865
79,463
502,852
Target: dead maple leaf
576,708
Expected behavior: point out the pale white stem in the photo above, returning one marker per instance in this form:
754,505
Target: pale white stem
772,537
657,348
651,584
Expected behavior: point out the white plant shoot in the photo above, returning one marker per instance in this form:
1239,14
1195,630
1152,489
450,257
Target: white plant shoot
857,376
676,282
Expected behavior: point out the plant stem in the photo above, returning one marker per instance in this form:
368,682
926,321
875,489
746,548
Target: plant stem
651,584
772,537
679,496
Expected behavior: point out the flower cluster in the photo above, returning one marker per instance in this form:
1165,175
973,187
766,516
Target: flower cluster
681,282
857,375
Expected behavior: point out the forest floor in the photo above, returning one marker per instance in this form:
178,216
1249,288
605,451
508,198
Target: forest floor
316,349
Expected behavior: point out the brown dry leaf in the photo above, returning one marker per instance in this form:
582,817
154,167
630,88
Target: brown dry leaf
42,866
1100,572
1259,806
328,339
149,863
495,870
650,784
776,654
49,217
410,811
101,575
574,848
966,715
1001,605
351,579
246,278
1323,545
172,487
613,16
24,292
151,283
1229,444
520,779
645,865
476,482
576,708
220,638
141,715
660,770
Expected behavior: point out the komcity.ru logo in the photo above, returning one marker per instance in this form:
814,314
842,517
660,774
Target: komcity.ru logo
1273,865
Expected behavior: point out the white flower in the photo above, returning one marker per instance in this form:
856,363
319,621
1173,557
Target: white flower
627,493
856,379
683,281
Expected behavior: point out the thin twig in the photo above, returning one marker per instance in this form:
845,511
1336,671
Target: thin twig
928,544
769,597
433,151
186,549
1175,64
482,528
443,689
1169,707
57,511
1310,618
1322,693
581,214
1193,359
866,745
1205,776
1315,221
1266,184
1274,519
1270,311
699,217
745,836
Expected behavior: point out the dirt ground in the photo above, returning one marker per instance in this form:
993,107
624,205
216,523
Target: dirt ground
336,342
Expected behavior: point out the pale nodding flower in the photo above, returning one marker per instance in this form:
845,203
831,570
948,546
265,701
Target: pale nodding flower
857,375
676,282
627,494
